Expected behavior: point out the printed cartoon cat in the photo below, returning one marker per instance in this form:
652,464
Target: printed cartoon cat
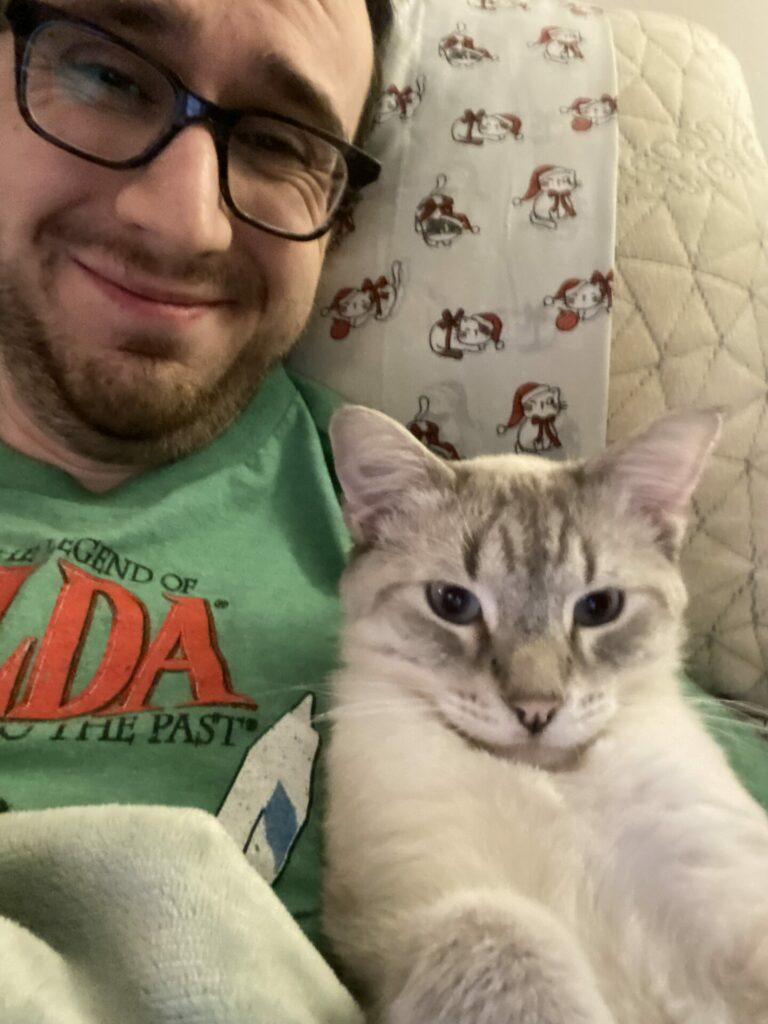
528,823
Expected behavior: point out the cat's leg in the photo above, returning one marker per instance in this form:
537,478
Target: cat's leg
493,958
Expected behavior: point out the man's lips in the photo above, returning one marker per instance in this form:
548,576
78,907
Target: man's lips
157,299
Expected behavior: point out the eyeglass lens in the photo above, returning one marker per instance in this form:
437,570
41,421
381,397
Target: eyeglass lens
107,102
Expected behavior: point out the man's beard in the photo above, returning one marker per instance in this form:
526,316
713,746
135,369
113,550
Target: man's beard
140,418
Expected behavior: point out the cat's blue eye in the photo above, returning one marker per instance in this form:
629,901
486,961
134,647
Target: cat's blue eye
453,603
599,607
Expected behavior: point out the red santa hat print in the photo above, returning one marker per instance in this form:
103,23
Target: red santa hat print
534,185
518,413
491,325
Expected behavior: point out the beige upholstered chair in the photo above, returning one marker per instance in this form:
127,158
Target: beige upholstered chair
691,315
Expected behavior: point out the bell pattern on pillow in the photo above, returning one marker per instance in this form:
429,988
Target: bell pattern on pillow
508,253
427,430
437,221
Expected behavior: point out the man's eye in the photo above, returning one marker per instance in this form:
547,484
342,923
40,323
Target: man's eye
271,144
93,80
453,603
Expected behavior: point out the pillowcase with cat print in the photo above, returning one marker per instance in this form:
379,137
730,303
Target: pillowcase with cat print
527,822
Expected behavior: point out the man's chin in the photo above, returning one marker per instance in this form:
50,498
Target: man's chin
150,412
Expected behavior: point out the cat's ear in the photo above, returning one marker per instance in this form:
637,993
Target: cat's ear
659,469
381,466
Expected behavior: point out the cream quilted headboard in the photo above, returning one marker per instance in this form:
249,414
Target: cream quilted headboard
691,315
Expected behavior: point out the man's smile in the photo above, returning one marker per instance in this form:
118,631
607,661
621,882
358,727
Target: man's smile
146,300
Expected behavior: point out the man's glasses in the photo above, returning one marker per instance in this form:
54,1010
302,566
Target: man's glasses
92,94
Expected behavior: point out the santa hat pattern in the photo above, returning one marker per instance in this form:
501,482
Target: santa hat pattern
561,293
491,325
518,413
534,185
546,36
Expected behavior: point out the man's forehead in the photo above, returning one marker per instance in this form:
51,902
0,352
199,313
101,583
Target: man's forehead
163,16
185,23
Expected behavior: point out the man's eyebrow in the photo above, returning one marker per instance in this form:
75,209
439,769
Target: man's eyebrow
172,19
292,85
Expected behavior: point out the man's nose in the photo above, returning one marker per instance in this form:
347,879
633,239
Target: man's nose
177,197
535,715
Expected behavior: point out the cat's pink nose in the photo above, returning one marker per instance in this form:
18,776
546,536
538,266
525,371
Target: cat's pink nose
536,715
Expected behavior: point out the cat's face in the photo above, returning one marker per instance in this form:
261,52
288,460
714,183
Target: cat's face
521,603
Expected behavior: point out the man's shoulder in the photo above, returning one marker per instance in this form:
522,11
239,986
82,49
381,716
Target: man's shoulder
321,403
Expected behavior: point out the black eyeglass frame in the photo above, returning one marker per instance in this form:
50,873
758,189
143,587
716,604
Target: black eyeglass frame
26,17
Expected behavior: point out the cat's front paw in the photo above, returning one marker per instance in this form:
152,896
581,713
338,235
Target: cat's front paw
491,978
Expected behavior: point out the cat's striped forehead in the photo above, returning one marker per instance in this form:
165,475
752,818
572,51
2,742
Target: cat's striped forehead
525,522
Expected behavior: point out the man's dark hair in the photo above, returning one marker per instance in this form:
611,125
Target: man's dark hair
380,14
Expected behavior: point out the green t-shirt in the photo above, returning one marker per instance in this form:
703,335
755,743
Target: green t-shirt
166,643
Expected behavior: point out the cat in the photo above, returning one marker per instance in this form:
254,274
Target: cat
527,823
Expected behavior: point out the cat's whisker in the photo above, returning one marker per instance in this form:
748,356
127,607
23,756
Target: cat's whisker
365,709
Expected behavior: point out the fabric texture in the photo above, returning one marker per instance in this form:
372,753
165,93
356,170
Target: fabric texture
148,915
690,324
149,649
470,290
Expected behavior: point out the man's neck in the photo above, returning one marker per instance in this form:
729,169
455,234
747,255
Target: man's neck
20,431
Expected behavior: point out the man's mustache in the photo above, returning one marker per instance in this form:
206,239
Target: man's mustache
237,284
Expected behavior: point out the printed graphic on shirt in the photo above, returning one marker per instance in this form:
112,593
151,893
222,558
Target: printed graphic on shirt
578,299
124,682
268,802
475,127
437,221
355,307
401,103
535,409
586,113
550,191
456,333
560,45
461,51
427,431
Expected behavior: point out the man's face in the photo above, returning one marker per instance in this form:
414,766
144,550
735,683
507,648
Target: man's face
125,379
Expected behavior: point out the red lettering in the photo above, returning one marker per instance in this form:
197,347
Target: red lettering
186,642
56,665
12,672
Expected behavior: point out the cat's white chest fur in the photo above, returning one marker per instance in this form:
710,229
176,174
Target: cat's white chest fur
648,853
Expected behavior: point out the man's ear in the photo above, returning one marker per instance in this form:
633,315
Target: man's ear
658,470
381,467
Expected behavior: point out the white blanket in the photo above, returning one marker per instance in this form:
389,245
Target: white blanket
148,915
